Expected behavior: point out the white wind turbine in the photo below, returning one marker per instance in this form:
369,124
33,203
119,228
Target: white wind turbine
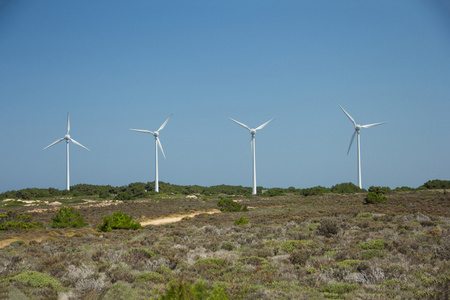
357,130
157,143
67,138
253,132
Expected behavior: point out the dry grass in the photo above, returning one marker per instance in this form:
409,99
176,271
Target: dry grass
330,246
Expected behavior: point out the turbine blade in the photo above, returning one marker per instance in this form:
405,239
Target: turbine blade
164,124
243,125
371,125
350,117
160,147
68,123
78,144
144,131
263,125
351,142
55,142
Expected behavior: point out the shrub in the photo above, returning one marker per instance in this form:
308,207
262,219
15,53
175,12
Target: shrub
12,220
328,227
228,246
241,221
299,257
317,190
373,198
289,246
373,245
37,279
226,204
273,192
345,188
67,217
380,189
339,288
119,221
437,184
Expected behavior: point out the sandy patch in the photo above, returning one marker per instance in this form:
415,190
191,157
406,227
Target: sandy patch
178,218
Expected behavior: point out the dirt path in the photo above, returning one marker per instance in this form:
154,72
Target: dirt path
177,218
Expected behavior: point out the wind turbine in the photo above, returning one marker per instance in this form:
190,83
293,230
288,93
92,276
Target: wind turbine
253,132
157,143
67,138
357,130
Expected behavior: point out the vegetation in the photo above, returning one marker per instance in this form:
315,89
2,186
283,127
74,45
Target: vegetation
119,221
139,190
12,220
345,188
298,245
67,217
241,221
226,204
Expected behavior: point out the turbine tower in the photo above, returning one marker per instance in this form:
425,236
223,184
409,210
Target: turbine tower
67,138
157,144
253,132
357,130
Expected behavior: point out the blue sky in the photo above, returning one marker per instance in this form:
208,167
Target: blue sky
116,65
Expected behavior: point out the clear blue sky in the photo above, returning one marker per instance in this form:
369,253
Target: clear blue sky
116,65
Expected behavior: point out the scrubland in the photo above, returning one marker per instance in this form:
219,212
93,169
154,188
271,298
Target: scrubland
292,247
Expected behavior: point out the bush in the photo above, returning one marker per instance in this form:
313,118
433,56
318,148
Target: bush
12,220
328,227
345,188
37,279
67,217
380,189
437,184
119,221
373,198
339,288
373,245
273,192
241,221
317,190
226,204
228,246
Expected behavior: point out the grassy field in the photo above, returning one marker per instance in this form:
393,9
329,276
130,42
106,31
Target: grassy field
293,247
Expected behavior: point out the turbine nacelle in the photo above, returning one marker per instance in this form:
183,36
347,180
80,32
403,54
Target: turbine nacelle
158,144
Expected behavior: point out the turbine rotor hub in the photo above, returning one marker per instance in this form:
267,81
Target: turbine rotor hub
156,134
358,127
252,131
67,137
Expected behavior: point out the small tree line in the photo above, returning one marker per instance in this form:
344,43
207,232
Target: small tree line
141,190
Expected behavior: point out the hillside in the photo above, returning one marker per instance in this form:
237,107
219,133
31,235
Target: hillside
293,247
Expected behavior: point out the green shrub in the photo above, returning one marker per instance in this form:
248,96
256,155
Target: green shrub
345,188
228,246
273,192
289,246
67,217
226,204
373,198
241,221
380,189
37,279
371,253
119,221
339,288
373,245
437,184
12,220
317,190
